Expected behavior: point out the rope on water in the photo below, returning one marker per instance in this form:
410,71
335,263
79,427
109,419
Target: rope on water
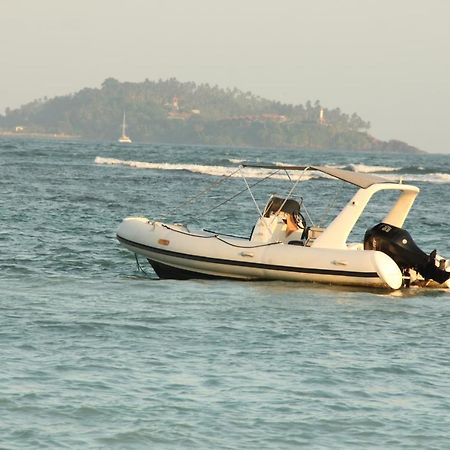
140,268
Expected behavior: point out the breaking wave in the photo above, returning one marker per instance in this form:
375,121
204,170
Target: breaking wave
195,168
435,178
409,173
219,171
363,168
415,174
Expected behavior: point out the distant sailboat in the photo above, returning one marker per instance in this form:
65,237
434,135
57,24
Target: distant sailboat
124,139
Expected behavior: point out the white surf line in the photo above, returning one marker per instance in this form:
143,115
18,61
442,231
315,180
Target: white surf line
195,168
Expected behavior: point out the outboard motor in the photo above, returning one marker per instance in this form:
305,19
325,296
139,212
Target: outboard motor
399,245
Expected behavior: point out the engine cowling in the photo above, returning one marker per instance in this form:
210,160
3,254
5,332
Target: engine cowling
400,246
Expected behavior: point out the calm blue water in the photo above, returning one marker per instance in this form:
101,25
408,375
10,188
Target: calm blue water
97,355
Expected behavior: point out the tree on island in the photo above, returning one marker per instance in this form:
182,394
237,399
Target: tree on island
189,113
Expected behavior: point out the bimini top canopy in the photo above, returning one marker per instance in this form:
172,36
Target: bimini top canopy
362,180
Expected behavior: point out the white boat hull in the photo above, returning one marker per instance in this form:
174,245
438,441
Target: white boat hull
174,252
284,246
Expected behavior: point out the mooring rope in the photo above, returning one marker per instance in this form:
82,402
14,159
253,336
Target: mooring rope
140,268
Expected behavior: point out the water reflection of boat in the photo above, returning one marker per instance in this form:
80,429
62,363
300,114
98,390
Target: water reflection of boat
283,245
124,139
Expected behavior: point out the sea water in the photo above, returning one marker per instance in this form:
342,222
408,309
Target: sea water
96,354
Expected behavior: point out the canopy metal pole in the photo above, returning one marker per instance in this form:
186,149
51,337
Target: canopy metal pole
290,192
206,190
240,192
251,193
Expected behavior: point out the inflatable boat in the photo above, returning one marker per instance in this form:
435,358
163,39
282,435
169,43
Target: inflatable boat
283,245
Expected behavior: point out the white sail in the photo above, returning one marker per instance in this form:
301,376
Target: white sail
124,139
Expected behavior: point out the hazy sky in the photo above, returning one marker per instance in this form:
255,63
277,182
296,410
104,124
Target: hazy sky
387,60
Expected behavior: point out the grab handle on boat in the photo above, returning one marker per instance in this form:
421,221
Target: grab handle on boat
339,263
250,254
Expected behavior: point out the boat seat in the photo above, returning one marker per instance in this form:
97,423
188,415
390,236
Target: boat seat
290,208
281,221
275,204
